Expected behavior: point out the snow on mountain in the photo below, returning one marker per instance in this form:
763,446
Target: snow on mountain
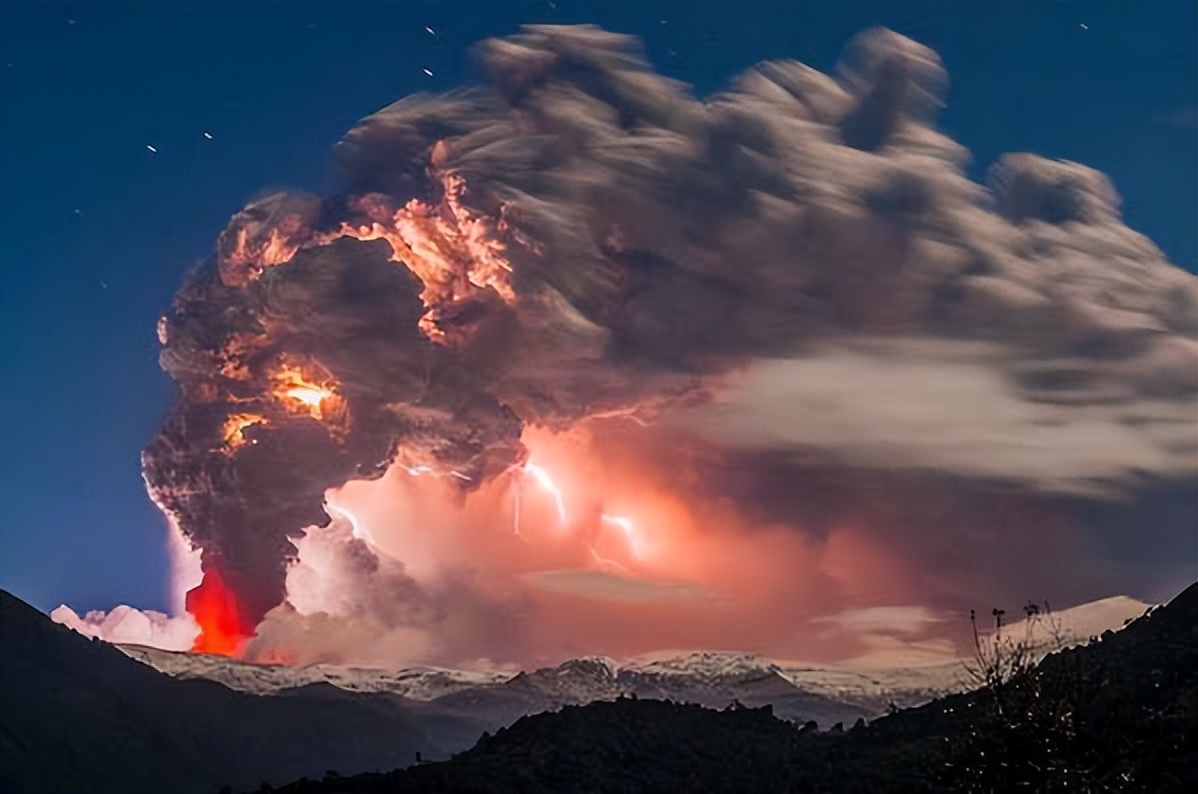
78,715
716,667
864,686
578,680
710,678
416,683
878,676
1077,624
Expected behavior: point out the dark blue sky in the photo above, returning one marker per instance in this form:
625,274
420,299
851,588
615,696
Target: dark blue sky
96,230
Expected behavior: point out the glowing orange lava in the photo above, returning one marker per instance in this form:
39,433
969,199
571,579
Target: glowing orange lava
214,607
291,384
234,427
303,386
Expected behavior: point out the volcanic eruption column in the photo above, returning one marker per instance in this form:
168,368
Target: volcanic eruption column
578,236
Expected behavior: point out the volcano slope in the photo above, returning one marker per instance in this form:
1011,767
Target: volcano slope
79,715
1120,714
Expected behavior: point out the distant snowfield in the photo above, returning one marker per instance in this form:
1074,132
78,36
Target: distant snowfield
417,683
887,674
917,668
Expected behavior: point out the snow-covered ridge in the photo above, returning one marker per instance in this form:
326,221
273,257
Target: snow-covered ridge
682,675
417,683
711,666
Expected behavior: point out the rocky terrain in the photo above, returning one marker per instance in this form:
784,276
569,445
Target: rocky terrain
83,715
798,692
1119,714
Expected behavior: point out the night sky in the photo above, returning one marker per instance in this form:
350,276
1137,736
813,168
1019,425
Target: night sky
97,228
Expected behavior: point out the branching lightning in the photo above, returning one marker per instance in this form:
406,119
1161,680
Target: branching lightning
542,478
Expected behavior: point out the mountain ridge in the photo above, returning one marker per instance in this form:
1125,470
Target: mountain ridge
123,726
106,707
827,693
1117,714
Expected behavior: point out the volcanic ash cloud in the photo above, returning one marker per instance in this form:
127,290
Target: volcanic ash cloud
792,273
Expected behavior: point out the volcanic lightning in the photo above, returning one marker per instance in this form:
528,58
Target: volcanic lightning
628,528
542,478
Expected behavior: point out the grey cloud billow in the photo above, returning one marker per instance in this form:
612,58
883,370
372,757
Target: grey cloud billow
797,264
797,210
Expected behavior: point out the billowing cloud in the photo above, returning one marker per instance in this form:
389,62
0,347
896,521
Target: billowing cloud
772,347
961,409
897,620
613,587
127,625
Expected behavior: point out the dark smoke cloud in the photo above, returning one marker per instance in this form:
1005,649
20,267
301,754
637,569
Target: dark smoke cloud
796,268
343,316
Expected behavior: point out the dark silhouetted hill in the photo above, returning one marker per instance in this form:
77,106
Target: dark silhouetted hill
78,715
1120,714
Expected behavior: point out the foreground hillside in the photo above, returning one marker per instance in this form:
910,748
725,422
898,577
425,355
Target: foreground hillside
82,715
1120,714
78,715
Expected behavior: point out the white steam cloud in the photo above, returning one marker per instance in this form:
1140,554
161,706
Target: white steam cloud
129,626
966,410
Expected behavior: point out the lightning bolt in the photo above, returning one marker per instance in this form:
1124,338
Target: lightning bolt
543,480
627,527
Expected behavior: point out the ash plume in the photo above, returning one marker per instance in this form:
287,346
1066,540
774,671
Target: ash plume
796,268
